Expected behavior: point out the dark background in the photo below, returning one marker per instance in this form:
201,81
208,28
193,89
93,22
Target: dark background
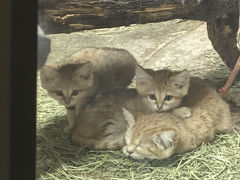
18,54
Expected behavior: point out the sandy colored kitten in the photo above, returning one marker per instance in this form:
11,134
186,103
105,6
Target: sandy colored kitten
163,89
101,125
159,136
88,72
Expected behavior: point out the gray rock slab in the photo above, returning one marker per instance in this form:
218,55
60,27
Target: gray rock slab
176,44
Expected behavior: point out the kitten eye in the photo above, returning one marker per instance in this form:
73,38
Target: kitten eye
75,92
59,93
168,98
152,97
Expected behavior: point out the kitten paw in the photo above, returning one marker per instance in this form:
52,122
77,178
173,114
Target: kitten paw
124,149
182,112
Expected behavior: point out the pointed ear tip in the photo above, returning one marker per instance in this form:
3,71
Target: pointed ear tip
125,110
139,68
142,73
88,65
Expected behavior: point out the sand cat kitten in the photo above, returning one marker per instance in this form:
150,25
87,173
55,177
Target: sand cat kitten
163,89
87,73
68,84
100,125
158,136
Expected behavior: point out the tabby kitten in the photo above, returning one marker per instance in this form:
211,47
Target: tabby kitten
163,89
89,72
101,125
159,136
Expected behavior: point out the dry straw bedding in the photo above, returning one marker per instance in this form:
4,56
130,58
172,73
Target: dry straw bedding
57,158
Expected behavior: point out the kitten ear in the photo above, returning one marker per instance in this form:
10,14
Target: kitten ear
165,139
49,76
128,116
84,75
180,79
143,79
142,75
85,69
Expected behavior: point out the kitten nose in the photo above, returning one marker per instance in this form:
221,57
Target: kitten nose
67,101
129,151
159,106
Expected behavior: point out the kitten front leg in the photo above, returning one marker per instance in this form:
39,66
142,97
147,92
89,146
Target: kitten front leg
70,116
182,112
124,150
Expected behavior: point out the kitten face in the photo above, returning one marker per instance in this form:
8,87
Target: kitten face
157,146
144,143
69,83
161,90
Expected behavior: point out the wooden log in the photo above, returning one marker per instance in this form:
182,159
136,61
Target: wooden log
223,34
65,16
